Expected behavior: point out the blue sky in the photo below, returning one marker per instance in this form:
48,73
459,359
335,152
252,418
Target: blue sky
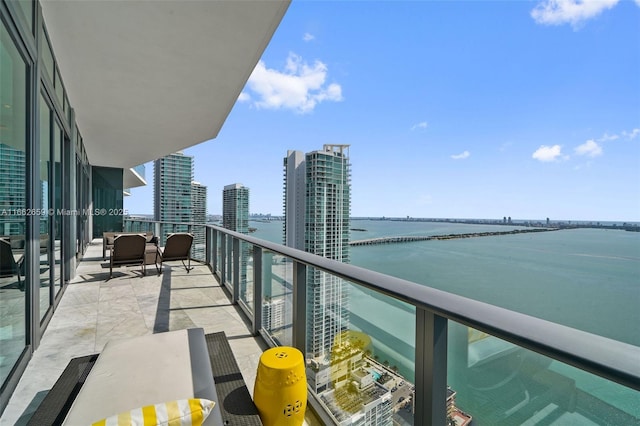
459,109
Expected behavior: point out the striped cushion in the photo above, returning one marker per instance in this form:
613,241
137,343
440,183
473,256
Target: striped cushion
184,412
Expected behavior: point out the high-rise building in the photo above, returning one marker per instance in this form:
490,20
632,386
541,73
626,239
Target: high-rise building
274,314
198,202
326,230
173,175
318,208
294,199
235,216
198,215
235,208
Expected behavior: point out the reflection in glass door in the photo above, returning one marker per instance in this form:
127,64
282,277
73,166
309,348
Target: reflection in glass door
13,142
46,293
56,218
79,206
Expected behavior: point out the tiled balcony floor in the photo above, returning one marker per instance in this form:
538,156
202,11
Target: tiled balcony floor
95,309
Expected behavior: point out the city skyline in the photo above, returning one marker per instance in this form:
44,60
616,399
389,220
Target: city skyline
528,110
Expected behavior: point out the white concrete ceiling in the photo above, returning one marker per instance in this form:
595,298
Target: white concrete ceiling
148,78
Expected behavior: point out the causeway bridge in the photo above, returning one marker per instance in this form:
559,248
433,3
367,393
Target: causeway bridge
412,238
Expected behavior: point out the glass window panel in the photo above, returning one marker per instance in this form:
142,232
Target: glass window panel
107,198
198,247
47,57
79,207
228,279
13,141
67,110
78,144
497,382
60,90
27,10
246,273
45,203
360,351
277,312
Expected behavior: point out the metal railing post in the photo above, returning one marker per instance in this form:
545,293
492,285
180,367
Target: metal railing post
235,277
257,290
299,307
207,246
223,258
214,250
431,368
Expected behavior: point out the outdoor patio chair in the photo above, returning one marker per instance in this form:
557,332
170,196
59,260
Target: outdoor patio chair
128,250
9,266
178,247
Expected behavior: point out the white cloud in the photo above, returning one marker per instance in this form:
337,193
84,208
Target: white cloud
244,97
590,148
632,134
548,153
300,87
309,37
607,137
574,12
422,124
461,156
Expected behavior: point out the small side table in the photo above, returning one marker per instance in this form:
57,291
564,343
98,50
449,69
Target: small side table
151,255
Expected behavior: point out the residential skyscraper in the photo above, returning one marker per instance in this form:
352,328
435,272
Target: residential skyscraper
173,175
235,208
318,207
198,215
294,199
235,216
198,202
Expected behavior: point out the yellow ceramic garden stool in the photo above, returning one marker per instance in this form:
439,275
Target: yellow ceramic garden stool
280,391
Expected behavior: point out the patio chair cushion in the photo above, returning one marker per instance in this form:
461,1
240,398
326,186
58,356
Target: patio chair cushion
17,244
185,412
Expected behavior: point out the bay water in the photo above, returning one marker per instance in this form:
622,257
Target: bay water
584,278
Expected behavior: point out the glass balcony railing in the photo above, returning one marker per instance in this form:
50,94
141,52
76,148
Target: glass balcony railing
141,170
453,359
163,229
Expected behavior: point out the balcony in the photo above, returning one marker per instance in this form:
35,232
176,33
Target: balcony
95,310
502,367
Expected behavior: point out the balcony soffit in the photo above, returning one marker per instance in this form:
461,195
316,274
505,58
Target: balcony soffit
149,78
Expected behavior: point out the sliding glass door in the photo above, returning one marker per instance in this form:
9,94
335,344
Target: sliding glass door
13,213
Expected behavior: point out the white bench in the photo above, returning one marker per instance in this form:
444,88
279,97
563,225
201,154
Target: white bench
146,370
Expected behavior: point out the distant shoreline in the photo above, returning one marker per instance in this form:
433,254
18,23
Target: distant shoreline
407,239
568,224
562,224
